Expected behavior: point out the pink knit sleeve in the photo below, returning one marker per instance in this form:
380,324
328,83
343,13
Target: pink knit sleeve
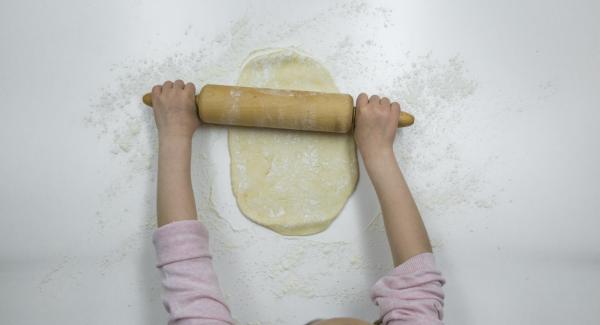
191,291
411,293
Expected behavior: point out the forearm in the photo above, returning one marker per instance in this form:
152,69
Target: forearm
405,230
175,197
191,289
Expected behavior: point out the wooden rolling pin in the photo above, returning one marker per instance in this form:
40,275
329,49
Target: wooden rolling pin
276,108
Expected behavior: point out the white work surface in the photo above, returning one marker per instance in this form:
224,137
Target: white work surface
503,158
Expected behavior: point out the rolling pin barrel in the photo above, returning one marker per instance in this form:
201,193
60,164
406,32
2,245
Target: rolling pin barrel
274,108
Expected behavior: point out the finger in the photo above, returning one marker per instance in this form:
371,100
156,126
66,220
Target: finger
395,113
156,90
167,85
374,99
385,102
190,87
178,84
362,100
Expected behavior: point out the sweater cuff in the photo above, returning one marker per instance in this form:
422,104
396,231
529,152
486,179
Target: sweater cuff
180,240
423,261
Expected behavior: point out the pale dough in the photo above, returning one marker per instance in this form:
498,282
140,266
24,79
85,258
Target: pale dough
292,182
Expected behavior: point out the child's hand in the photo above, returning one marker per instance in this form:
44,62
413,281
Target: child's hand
376,124
175,109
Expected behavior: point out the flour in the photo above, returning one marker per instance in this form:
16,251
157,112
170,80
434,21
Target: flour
432,90
435,89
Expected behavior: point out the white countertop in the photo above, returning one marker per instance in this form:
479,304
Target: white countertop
503,158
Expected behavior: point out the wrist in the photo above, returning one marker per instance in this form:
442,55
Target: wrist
174,150
375,156
174,140
380,163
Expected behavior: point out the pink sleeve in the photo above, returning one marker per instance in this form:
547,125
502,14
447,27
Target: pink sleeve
411,293
191,290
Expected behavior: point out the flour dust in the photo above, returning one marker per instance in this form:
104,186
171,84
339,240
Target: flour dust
434,89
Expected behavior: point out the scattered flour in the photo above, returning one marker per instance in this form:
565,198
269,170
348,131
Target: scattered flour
433,89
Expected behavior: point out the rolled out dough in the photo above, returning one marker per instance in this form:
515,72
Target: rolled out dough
292,182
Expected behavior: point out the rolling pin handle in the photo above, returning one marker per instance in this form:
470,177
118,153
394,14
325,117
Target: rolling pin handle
147,99
405,119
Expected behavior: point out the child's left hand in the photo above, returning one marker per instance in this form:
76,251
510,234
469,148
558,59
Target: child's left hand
175,110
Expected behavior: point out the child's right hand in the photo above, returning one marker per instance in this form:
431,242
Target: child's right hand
375,126
174,108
